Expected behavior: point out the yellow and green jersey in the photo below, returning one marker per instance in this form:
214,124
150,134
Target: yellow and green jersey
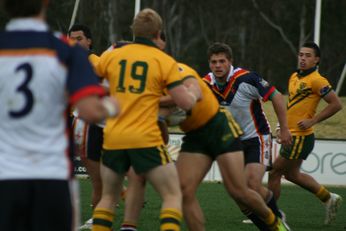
137,74
93,59
204,109
305,92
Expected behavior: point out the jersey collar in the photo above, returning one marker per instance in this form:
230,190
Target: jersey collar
229,76
145,41
303,73
26,24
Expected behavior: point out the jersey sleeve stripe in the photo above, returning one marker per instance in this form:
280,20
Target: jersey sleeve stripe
266,97
20,52
86,91
174,84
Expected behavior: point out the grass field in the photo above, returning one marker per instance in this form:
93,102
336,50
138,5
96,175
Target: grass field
304,212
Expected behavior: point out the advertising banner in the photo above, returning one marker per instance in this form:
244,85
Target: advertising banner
326,163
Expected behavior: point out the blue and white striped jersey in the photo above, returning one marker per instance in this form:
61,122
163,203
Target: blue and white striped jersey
40,75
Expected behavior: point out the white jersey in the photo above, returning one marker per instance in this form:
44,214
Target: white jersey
242,95
39,75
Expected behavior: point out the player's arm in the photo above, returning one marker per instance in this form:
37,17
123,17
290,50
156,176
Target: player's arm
334,105
93,109
187,94
84,92
278,102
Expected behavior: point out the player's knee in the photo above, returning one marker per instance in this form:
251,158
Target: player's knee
254,184
188,191
291,176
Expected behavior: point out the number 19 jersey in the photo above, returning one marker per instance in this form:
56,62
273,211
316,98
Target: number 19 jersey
137,74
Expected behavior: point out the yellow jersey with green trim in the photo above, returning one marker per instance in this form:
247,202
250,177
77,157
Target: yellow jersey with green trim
305,92
93,59
137,74
205,109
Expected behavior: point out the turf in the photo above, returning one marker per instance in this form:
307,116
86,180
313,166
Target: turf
304,212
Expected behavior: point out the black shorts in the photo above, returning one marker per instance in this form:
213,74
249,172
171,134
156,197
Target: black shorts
258,150
38,205
94,143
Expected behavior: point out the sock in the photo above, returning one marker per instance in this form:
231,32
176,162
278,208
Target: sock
258,222
271,202
271,221
170,219
323,194
128,226
102,219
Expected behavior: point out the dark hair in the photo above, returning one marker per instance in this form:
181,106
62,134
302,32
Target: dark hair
217,48
80,27
313,46
22,8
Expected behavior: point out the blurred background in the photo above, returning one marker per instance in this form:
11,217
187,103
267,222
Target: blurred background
264,34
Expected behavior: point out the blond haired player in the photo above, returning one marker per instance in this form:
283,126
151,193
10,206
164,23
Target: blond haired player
137,74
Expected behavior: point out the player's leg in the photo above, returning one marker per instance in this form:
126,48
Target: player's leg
93,169
113,168
134,200
157,167
52,207
92,160
257,153
257,156
232,171
15,206
192,168
165,181
289,163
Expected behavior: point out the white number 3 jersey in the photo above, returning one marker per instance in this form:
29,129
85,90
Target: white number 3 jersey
39,76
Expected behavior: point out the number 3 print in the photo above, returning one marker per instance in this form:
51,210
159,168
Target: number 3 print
23,89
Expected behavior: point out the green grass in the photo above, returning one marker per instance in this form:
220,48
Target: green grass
304,212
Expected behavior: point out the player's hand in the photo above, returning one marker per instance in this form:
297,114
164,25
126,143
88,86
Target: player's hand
305,124
278,135
285,137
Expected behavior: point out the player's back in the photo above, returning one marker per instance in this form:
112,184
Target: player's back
137,74
33,101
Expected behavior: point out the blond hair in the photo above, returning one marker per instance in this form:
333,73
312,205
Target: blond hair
147,24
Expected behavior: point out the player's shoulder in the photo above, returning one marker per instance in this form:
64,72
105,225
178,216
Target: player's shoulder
187,71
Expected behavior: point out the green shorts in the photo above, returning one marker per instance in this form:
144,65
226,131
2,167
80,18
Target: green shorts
217,137
301,147
141,159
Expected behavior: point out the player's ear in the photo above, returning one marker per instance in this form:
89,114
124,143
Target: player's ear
317,60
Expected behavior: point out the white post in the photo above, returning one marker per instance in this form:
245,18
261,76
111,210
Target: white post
341,80
137,6
318,12
74,14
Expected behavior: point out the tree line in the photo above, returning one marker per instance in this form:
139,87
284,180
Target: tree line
265,35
